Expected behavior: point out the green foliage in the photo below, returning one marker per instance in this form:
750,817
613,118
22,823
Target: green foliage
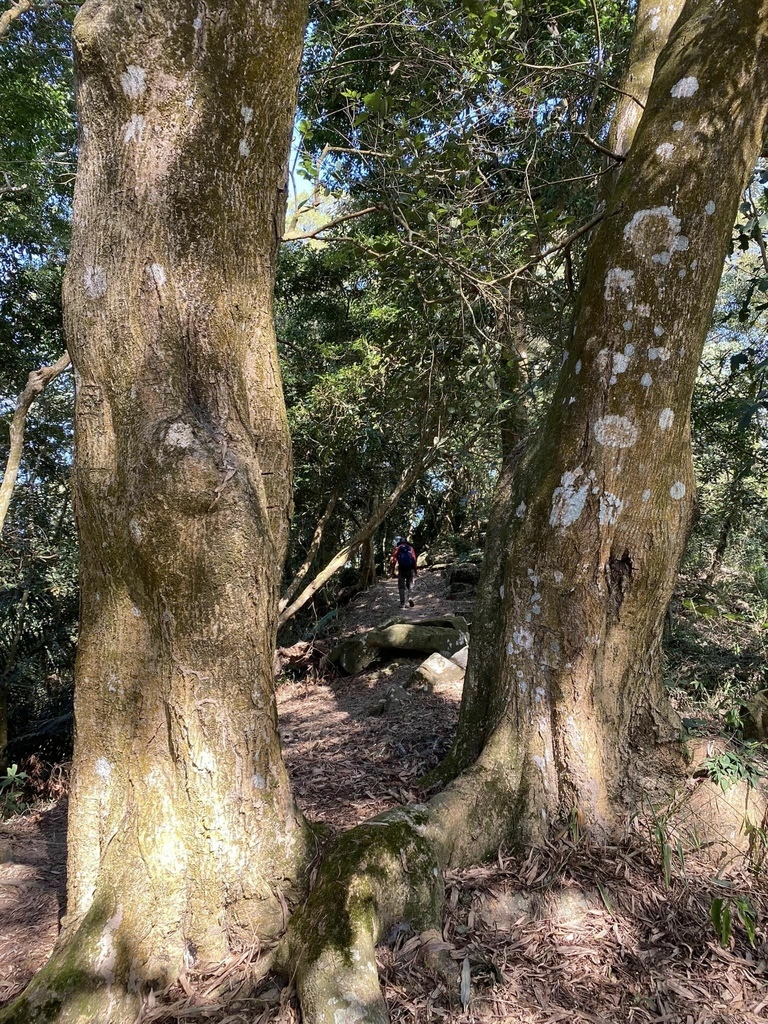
38,552
12,792
722,914
734,766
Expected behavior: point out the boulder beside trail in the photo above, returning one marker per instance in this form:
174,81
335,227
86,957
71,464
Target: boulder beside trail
459,622
407,636
436,669
354,655
460,658
447,635
755,717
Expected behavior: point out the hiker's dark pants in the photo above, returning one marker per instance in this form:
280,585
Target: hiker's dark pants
404,579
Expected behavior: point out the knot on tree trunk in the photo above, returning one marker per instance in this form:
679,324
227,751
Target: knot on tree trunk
620,570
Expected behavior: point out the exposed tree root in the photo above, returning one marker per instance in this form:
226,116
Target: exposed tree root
77,985
386,873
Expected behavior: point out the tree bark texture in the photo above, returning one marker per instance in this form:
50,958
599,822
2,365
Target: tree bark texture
590,525
183,834
654,21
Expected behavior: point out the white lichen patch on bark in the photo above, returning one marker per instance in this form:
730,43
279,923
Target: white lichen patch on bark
677,490
645,222
610,509
104,964
710,208
661,353
615,432
522,640
134,128
134,82
666,418
95,282
646,380
180,435
244,149
619,282
156,273
665,150
568,499
685,88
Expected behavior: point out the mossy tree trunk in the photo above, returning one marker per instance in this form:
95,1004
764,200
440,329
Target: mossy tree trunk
563,687
183,833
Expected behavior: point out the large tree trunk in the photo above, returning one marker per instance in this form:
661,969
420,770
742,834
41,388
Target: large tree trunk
654,21
563,684
564,672
183,835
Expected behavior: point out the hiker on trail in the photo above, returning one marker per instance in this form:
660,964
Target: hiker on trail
404,560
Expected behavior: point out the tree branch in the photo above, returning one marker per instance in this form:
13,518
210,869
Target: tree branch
340,559
303,236
38,380
600,148
550,250
311,553
15,11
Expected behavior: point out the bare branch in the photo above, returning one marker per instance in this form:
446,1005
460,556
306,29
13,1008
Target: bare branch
15,11
38,380
550,250
600,148
317,537
303,236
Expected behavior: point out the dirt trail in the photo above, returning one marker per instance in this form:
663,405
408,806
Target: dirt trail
33,856
346,764
381,602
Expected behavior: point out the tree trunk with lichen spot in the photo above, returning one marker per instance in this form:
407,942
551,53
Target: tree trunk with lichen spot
183,838
564,670
563,684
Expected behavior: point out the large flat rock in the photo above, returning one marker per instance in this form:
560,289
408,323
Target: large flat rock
406,636
435,670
